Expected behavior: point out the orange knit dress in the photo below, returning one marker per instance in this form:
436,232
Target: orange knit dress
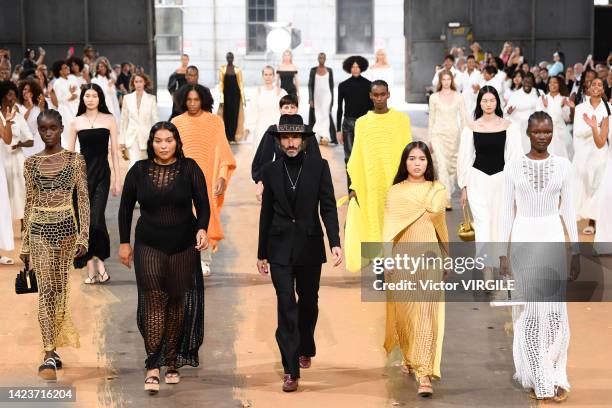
204,141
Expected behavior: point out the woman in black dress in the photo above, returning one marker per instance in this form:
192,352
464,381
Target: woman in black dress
231,88
94,126
288,75
166,260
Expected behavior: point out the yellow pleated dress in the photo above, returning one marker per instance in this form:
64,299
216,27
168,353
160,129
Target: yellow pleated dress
415,221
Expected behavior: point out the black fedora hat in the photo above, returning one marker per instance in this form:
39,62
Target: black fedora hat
293,124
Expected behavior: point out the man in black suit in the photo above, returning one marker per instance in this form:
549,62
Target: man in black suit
291,243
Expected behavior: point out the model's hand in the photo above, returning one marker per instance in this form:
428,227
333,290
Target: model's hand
201,240
25,258
340,137
219,186
116,187
41,102
590,121
574,267
80,250
259,191
511,109
9,115
337,253
464,199
125,254
263,267
504,270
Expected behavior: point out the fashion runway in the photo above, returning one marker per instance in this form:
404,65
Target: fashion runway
239,360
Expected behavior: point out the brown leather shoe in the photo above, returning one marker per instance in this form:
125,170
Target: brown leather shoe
290,383
304,362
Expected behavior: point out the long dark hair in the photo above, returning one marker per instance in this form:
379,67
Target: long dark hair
101,104
206,99
522,74
35,89
478,112
402,171
563,91
170,127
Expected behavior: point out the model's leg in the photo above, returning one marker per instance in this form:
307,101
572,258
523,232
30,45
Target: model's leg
307,280
287,333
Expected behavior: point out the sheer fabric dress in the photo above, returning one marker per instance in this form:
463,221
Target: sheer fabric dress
51,236
94,147
168,273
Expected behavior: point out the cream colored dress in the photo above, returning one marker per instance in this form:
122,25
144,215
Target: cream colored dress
445,124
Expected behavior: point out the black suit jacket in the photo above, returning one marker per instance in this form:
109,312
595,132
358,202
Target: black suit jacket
288,237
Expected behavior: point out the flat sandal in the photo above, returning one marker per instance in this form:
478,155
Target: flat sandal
172,376
152,384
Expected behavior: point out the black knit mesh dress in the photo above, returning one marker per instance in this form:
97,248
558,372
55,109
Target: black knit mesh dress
168,272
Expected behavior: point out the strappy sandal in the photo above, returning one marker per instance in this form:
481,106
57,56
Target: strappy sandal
5,260
100,277
91,280
48,370
172,376
58,361
151,384
424,390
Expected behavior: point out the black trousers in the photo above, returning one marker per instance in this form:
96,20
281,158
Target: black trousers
296,319
348,134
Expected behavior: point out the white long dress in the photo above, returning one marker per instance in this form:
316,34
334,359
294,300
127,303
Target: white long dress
446,120
322,105
542,191
6,223
263,112
384,74
469,96
484,190
33,126
603,233
524,105
67,108
13,160
561,144
110,96
589,161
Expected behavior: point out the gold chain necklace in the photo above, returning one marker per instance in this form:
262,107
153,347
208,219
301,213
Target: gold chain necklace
94,121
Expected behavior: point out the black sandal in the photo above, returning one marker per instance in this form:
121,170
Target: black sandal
152,384
58,361
48,370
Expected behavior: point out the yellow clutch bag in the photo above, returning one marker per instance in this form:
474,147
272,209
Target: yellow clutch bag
125,154
465,230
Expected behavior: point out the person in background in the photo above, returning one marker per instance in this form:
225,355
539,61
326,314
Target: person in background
177,78
231,101
541,83
321,99
138,115
521,105
104,79
506,52
123,80
31,103
558,106
67,94
192,76
558,65
449,65
77,73
470,84
353,102
477,52
381,69
287,75
29,61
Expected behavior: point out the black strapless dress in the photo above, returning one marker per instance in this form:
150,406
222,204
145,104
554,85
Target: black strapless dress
94,148
286,81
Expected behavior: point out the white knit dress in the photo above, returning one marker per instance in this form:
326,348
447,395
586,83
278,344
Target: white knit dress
542,191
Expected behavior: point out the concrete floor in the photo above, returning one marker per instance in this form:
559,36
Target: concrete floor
240,363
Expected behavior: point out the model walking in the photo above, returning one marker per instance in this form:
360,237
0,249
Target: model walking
415,213
447,117
52,236
321,99
94,127
231,103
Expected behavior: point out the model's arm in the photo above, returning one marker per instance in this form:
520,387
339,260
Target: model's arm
264,154
311,80
125,120
339,112
265,218
154,111
126,206
327,207
200,196
115,155
30,196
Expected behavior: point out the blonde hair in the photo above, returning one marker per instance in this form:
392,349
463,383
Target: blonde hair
384,53
441,75
288,52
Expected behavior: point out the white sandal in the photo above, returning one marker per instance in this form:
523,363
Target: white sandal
589,230
5,260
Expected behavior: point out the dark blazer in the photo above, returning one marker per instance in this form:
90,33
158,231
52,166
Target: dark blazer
288,237
269,149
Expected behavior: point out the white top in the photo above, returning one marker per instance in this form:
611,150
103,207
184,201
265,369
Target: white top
539,188
68,109
467,80
263,111
467,152
33,126
385,74
581,129
136,123
559,114
321,83
492,82
21,133
524,104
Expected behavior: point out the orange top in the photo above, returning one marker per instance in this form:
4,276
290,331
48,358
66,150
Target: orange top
204,141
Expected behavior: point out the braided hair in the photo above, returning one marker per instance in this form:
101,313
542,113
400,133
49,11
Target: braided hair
50,113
